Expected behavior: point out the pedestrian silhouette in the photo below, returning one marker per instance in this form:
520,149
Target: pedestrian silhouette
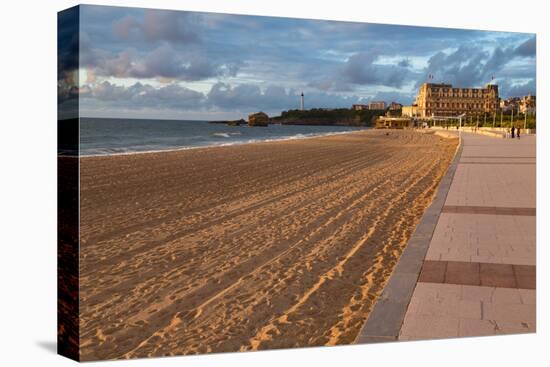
513,132
518,132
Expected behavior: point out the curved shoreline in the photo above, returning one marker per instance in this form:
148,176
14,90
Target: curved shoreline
291,138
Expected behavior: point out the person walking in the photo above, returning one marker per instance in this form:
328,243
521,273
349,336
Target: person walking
513,132
518,132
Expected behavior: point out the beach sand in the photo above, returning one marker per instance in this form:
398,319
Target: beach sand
257,246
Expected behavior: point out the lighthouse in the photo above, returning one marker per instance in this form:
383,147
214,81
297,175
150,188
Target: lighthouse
302,101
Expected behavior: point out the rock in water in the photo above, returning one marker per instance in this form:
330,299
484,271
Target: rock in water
258,119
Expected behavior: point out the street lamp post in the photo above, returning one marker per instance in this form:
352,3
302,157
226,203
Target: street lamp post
460,128
494,118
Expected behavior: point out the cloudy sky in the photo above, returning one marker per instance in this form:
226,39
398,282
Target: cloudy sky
187,65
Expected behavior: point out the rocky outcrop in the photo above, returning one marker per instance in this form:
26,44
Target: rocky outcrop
258,119
328,117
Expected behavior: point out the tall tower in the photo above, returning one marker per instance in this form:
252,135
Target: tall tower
302,101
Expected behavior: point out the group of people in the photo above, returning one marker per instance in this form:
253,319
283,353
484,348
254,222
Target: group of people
514,132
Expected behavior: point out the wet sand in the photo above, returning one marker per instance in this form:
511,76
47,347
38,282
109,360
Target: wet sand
258,246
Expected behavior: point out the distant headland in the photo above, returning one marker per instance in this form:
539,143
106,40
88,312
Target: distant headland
315,116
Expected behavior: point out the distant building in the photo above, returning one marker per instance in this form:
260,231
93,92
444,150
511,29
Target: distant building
395,106
393,122
528,104
410,111
435,99
377,105
359,107
509,104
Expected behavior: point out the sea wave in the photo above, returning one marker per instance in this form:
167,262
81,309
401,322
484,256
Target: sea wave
102,152
222,135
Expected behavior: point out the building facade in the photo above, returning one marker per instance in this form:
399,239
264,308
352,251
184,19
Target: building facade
509,104
435,99
410,111
377,105
528,104
395,106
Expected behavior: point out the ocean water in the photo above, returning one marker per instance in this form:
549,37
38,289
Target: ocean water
123,136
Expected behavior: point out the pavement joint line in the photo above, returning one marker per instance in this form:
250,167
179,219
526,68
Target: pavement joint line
498,157
501,163
478,274
491,210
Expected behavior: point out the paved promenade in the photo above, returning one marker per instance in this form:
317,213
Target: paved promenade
477,276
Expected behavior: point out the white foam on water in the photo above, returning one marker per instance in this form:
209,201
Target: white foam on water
222,135
110,152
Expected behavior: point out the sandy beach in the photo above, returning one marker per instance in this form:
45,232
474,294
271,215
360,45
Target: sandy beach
257,246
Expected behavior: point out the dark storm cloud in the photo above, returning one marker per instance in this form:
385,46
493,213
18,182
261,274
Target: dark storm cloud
465,66
405,63
364,69
67,63
473,66
161,62
143,95
145,43
157,25
165,62
222,96
272,98
67,41
527,48
518,89
245,95
361,69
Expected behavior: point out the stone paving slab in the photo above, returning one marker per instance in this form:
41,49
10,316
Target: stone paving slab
503,239
495,185
448,310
